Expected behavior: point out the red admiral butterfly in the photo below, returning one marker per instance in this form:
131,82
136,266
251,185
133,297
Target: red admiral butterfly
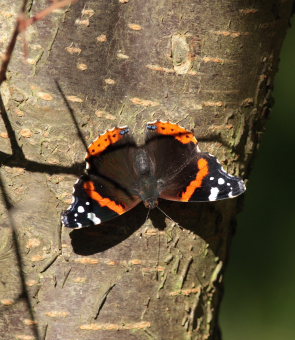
120,174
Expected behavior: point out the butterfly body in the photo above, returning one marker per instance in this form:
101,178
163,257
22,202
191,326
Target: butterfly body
121,174
147,187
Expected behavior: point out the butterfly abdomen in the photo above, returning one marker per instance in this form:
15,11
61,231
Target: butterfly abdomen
147,184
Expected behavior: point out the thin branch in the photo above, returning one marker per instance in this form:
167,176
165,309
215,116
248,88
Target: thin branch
22,24
41,15
10,47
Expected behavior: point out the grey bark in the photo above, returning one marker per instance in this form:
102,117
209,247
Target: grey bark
208,65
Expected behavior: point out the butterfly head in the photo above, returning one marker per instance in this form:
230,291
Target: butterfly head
148,191
150,203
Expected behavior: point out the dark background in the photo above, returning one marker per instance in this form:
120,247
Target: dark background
259,301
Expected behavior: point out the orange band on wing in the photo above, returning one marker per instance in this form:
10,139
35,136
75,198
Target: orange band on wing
103,202
180,133
104,141
196,183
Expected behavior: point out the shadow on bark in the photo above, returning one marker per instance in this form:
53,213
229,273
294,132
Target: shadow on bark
18,159
94,240
24,292
190,216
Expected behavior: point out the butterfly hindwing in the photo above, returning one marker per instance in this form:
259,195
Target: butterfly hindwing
203,179
222,184
85,211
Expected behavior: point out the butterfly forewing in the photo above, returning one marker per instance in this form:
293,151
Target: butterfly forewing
105,191
170,150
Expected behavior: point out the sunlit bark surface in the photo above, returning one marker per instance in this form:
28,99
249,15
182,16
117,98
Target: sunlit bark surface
208,65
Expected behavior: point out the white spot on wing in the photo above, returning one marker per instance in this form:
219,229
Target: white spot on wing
213,194
92,217
242,186
221,181
79,225
211,178
87,203
80,209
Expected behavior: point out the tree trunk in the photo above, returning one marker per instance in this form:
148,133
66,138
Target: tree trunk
207,64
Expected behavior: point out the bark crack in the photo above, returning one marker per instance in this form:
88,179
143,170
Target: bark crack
102,300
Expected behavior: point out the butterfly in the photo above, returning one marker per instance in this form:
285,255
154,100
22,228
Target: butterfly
120,174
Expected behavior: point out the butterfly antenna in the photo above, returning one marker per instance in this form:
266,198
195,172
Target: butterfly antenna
158,257
147,215
163,212
157,274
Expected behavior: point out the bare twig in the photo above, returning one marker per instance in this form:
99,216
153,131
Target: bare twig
22,24
10,48
41,15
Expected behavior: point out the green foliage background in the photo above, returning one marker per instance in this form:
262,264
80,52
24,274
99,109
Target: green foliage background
259,301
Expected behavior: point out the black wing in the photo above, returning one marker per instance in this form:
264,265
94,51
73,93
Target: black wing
106,190
183,172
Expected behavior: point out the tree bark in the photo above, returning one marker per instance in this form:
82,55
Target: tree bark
206,64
